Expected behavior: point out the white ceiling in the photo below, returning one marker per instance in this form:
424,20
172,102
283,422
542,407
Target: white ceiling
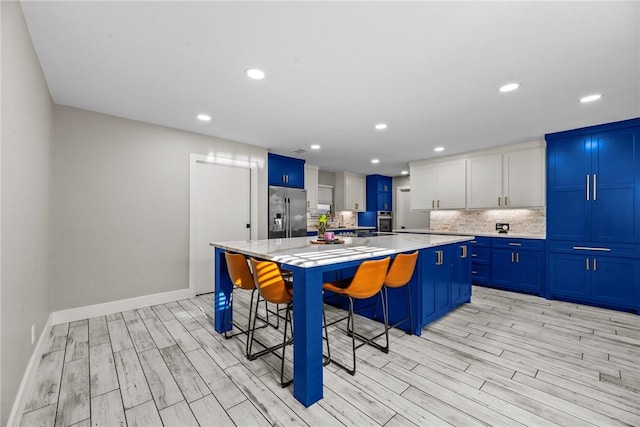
430,70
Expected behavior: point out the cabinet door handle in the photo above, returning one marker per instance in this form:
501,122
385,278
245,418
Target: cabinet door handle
515,244
506,201
438,204
473,272
588,191
499,201
594,187
464,252
517,257
356,206
587,264
595,265
589,248
474,255
439,258
511,256
433,204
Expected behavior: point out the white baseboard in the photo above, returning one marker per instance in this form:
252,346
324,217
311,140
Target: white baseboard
89,311
15,417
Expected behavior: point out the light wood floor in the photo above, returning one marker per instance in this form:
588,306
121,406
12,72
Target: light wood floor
505,359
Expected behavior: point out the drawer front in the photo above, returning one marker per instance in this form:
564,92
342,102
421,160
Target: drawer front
518,244
480,273
595,249
480,255
481,241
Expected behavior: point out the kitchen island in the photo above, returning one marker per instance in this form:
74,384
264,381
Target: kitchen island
441,282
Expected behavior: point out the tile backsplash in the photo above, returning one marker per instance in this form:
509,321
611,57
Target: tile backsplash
528,221
347,219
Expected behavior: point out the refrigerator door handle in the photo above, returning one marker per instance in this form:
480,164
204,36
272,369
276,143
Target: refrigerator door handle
289,231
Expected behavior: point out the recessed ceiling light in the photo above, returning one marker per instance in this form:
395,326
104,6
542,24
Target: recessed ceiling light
509,87
254,73
204,117
590,98
381,126
405,172
375,161
438,149
315,147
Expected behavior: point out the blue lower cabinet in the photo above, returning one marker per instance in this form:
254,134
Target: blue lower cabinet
446,280
460,271
512,264
440,283
596,279
480,249
517,270
614,282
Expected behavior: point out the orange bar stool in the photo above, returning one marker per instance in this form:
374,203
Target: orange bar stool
399,275
242,278
366,282
274,288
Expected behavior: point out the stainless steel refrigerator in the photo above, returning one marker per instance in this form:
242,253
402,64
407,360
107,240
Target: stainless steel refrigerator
287,212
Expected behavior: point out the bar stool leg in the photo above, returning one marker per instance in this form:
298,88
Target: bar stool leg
410,329
287,321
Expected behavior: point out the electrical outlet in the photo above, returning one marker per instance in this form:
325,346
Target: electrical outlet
502,227
33,333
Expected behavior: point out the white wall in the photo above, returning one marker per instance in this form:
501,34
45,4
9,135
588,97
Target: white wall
121,205
25,201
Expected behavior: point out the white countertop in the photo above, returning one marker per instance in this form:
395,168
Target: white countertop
301,252
480,234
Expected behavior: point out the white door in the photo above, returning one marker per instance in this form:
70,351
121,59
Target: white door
406,218
221,211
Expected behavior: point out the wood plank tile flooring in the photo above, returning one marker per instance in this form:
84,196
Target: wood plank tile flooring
504,359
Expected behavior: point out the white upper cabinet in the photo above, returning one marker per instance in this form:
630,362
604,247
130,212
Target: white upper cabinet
484,181
511,179
350,192
311,185
524,178
438,185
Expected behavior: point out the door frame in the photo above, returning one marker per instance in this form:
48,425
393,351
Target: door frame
253,206
399,208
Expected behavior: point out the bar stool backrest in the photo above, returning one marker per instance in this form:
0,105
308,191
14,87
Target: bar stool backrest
270,283
239,271
368,279
401,270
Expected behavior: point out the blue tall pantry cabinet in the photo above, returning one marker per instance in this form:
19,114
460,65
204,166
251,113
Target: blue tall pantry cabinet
593,215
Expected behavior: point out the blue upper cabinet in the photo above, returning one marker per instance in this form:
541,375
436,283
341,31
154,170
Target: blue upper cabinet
379,193
593,184
286,171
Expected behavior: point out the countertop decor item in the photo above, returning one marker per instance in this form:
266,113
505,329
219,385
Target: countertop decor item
327,242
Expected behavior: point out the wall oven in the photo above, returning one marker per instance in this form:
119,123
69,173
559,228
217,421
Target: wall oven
383,221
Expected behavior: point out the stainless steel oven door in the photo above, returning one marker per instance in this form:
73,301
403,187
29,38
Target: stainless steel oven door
384,222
